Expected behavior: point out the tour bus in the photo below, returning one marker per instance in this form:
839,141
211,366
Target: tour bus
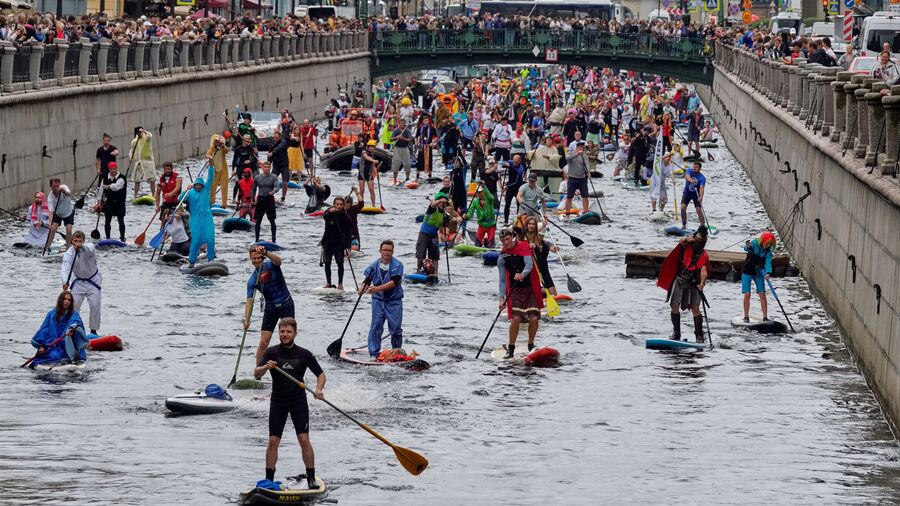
600,9
881,27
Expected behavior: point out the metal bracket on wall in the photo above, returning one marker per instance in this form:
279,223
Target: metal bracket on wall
818,229
877,298
852,259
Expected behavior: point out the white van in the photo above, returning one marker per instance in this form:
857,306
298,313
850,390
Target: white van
785,22
881,27
659,14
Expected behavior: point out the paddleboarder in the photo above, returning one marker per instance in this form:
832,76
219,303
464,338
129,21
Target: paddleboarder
217,156
287,398
264,187
368,172
533,198
203,230
169,188
144,167
106,153
335,241
757,268
683,275
111,199
269,280
482,209
520,288
383,280
181,241
61,337
39,217
86,281
541,249
577,169
62,208
435,219
694,189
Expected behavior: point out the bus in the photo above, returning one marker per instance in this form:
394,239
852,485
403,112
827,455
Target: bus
599,9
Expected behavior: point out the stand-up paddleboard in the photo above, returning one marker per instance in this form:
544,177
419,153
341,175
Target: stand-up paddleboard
360,356
316,214
144,200
490,258
570,211
709,144
270,246
420,278
677,231
659,217
218,211
672,345
206,269
758,325
172,257
433,179
110,243
63,368
292,492
105,343
371,210
470,249
543,356
321,290
563,297
589,218
234,223
198,403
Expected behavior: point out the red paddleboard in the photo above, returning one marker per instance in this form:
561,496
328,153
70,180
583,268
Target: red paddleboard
542,357
316,214
360,356
105,343
562,297
412,185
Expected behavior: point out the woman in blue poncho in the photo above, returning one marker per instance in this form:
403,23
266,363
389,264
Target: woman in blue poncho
61,337
203,230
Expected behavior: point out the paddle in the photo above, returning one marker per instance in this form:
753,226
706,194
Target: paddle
447,256
575,241
549,301
352,272
79,204
334,349
706,317
775,294
675,210
573,285
410,460
95,234
157,240
599,205
139,240
244,336
378,180
36,355
490,329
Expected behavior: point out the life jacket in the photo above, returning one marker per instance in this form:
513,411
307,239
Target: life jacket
167,185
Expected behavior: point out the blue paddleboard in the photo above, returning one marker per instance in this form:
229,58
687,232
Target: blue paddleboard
110,243
420,278
669,344
271,246
676,230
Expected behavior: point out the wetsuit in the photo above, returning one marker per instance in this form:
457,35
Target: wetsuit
264,186
272,286
287,397
335,241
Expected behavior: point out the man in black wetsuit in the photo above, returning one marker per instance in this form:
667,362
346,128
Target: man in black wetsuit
288,398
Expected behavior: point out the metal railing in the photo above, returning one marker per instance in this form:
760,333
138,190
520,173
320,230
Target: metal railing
29,67
518,41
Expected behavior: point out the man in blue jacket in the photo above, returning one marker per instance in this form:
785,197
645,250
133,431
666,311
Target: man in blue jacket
383,280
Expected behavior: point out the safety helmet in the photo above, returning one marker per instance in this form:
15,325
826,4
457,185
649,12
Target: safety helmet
406,101
372,143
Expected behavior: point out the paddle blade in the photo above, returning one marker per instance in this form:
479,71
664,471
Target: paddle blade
156,241
552,306
139,240
576,241
79,204
232,382
573,285
95,234
410,460
334,349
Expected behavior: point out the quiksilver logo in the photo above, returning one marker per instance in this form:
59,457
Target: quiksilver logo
287,366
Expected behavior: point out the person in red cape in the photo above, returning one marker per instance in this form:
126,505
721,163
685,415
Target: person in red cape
520,288
683,275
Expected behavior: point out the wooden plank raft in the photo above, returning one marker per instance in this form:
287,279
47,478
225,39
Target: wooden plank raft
646,264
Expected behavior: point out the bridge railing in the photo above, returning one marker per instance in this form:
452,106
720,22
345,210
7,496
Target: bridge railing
524,41
859,113
41,66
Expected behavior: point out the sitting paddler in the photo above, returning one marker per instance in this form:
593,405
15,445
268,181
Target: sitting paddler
757,267
288,398
61,337
39,217
683,275
245,194
181,241
383,280
318,193
81,261
203,230
269,280
482,209
520,288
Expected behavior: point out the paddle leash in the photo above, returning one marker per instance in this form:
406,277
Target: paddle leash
334,349
775,294
575,241
410,460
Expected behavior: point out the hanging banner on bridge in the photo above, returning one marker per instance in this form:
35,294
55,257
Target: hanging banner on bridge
712,5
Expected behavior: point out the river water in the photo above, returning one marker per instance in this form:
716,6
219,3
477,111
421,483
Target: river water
759,419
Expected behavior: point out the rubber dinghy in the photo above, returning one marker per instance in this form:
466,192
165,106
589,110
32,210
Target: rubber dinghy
292,492
360,356
672,345
759,325
543,356
206,269
213,399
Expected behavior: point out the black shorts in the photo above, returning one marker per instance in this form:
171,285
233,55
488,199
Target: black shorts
69,220
285,174
365,174
687,198
427,246
467,143
579,184
278,415
273,313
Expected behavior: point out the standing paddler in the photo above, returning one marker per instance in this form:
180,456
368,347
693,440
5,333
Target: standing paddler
203,230
520,288
383,280
86,282
268,279
757,267
288,398
683,275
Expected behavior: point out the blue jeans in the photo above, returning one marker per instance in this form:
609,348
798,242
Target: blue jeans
391,311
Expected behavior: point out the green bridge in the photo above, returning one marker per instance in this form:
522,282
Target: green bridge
686,59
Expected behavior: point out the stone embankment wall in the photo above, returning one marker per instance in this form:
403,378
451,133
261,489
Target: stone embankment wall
821,148
55,132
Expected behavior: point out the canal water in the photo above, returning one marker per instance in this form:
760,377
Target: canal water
759,419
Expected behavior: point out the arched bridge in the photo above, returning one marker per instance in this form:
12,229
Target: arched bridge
686,59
